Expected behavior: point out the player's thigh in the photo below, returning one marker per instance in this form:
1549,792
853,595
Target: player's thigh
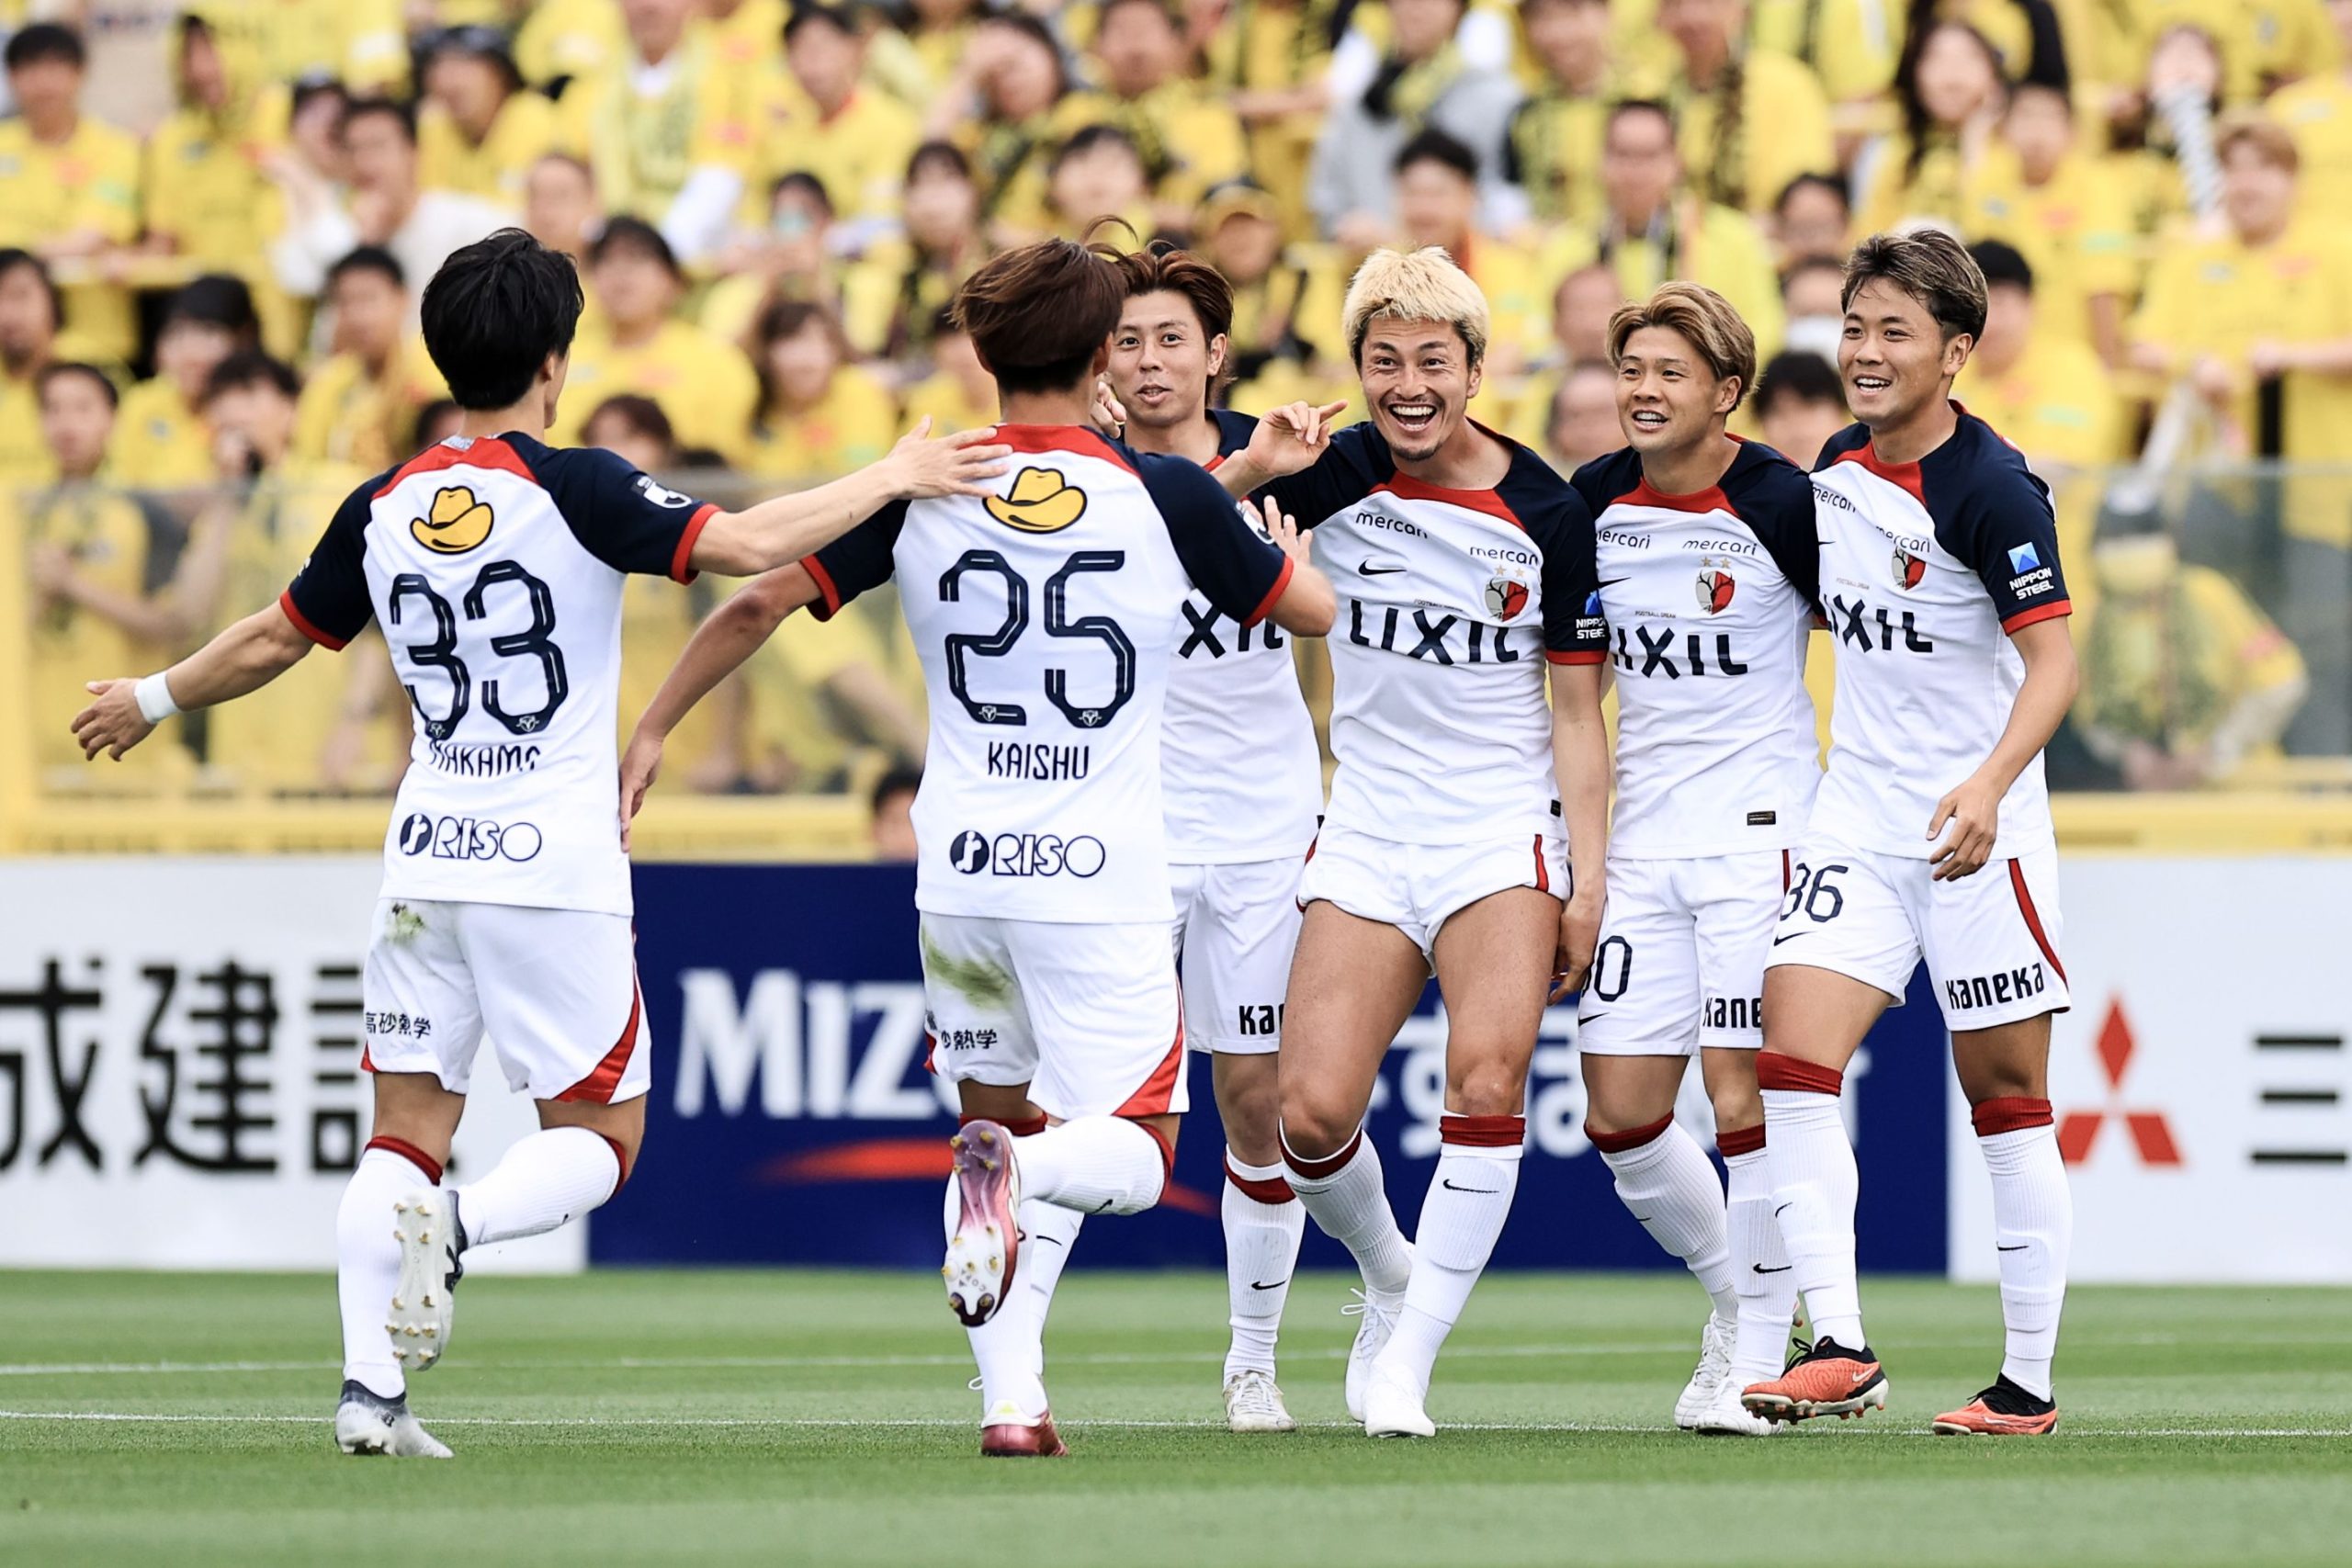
559,998
1992,944
1494,968
1842,951
974,1015
1103,1007
1352,984
1240,930
420,1014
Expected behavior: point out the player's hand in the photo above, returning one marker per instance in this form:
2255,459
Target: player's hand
921,467
112,723
1579,932
1973,811
1281,528
1110,415
640,765
1291,437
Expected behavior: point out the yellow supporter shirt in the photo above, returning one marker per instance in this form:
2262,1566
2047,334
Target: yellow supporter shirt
2317,112
569,39
24,454
525,128
851,425
644,135
2056,404
703,383
109,535
361,43
1783,131
87,184
2074,230
365,422
1554,155
2168,664
859,156
1936,190
204,187
889,300
1520,309
160,442
1189,139
1709,244
949,404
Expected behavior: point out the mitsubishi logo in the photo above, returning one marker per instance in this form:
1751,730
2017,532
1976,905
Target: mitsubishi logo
2151,1134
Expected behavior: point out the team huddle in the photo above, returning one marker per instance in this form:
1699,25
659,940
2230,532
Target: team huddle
1125,846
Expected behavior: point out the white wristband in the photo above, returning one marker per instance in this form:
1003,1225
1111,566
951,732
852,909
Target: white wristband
154,695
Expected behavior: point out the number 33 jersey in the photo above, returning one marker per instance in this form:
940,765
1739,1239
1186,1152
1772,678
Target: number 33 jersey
1046,616
496,566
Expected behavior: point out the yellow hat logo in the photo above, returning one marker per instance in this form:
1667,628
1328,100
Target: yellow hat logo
1042,503
456,525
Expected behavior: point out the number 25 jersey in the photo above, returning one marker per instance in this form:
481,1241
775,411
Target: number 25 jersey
1045,616
496,566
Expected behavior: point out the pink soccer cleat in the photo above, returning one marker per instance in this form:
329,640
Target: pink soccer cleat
985,1247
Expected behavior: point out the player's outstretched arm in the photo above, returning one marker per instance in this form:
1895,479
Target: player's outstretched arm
1580,767
728,635
1286,441
1308,606
245,658
783,529
1974,809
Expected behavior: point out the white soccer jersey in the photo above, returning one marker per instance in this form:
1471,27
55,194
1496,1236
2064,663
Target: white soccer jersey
495,565
1709,600
1927,568
1241,777
1450,603
1045,618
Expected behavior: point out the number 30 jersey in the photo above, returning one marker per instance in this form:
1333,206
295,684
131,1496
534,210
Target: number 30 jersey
1045,616
496,566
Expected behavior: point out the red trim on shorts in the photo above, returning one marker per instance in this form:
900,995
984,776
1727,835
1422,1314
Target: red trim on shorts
411,1153
832,605
1263,1188
2009,1113
1328,1166
1542,872
597,1087
1631,1138
302,624
1167,1154
1740,1141
680,572
1774,1070
2032,917
367,1063
2025,618
1273,595
620,1161
481,452
1158,1091
1785,871
1027,1127
1482,1131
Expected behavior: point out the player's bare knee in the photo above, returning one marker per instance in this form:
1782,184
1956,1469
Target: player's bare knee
1316,1126
1486,1088
1737,1103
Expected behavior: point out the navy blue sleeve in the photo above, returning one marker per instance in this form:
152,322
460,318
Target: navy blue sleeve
628,520
1774,498
2003,528
861,560
1236,568
1233,430
1351,466
1606,480
328,600
1559,521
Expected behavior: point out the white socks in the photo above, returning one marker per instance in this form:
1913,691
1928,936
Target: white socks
1477,1172
1345,1195
1813,1186
367,1260
2033,1226
1264,1222
553,1176
1666,1181
1762,1273
1097,1165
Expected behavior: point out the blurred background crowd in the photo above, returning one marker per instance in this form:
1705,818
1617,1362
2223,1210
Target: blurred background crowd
215,220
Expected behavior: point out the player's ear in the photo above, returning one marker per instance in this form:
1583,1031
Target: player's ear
1217,347
1956,348
1728,392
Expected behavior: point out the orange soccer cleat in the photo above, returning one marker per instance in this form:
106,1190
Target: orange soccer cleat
1825,1379
2002,1410
1024,1440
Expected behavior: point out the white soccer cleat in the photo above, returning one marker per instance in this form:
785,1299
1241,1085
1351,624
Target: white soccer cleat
1253,1404
424,1300
983,1250
368,1423
1713,1371
1391,1409
1378,1309
1728,1417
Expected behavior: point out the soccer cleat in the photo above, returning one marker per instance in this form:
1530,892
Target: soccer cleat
985,1247
1698,1395
2004,1410
1823,1379
1253,1404
432,1240
368,1423
1391,1407
1008,1434
1378,1309
1728,1417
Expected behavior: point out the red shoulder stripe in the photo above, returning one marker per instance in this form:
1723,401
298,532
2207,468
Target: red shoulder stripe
484,452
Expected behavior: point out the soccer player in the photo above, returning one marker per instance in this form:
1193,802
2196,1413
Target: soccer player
1047,618
495,565
1463,557
1931,835
1708,576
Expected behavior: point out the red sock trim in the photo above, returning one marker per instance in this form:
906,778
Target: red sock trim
1774,1070
1741,1141
1328,1166
2010,1113
620,1158
1027,1127
1482,1131
411,1153
1263,1189
1631,1138
1167,1151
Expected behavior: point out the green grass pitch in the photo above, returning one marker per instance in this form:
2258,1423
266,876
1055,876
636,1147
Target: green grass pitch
822,1418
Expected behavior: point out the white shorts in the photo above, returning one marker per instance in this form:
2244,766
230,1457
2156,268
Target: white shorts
1417,887
1681,962
1235,927
1089,1016
1991,940
556,989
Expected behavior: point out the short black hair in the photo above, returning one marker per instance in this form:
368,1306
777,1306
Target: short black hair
391,109
1829,183
900,780
633,234
2002,263
46,40
430,415
801,179
65,367
1434,146
641,415
1085,139
495,313
1795,375
840,17
368,258
931,155
214,300
251,367
12,257
1624,107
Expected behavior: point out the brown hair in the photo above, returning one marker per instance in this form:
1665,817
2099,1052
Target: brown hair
1930,265
2269,139
1704,318
1038,315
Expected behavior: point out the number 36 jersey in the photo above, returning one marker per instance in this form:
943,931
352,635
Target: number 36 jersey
496,566
1045,616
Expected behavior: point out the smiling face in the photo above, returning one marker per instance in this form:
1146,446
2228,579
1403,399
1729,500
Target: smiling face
1667,398
1894,356
1417,382
1161,360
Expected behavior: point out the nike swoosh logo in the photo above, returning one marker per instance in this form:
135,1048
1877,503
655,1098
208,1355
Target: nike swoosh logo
2018,1247
1610,581
1790,937
1782,1210
1365,568
1583,1018
1450,1187
1055,1239
1782,1270
1275,1286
